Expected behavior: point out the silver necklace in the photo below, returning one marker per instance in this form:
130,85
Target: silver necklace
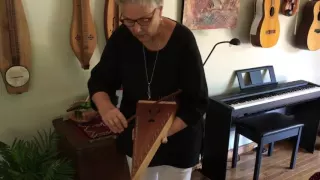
146,70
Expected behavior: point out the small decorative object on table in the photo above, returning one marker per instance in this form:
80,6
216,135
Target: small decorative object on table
81,111
88,120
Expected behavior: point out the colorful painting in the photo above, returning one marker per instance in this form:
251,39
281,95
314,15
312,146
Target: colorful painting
210,14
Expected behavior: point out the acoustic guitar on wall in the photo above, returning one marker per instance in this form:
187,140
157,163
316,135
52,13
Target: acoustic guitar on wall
308,32
265,28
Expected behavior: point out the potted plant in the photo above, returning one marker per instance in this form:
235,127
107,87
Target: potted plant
35,159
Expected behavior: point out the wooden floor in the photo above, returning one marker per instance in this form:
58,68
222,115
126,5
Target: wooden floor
276,166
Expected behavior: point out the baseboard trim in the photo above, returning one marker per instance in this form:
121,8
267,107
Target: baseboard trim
243,149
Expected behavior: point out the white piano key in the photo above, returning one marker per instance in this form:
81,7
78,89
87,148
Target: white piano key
269,99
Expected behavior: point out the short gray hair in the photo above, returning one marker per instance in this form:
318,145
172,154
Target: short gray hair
143,2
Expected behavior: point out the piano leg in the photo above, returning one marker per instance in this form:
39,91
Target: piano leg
309,114
216,141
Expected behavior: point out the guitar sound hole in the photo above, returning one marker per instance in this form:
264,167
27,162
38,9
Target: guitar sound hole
270,31
272,11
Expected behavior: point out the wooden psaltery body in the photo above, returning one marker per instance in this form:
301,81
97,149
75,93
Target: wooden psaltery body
83,32
17,47
111,20
152,124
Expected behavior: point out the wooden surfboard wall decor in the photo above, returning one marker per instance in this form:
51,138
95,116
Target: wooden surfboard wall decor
152,124
111,20
15,47
83,32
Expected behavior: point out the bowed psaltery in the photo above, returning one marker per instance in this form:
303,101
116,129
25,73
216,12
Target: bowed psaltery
83,32
153,120
15,47
111,20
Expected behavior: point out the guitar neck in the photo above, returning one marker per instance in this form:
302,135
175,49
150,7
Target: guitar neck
13,33
297,19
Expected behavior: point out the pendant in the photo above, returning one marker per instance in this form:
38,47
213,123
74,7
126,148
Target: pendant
149,92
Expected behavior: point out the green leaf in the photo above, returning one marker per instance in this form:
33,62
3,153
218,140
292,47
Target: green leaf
36,159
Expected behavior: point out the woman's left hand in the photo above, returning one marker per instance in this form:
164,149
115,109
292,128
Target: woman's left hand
177,125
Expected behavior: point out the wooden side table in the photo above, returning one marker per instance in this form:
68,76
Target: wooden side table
93,160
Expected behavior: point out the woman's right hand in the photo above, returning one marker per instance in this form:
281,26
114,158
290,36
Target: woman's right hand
114,119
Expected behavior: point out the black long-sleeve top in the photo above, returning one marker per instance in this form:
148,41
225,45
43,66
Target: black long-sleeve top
179,66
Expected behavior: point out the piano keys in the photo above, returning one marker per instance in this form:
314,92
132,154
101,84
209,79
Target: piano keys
270,97
299,98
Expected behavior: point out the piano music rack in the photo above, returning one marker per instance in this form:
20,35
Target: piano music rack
255,77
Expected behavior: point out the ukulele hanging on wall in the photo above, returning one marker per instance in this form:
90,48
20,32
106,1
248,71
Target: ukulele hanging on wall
15,47
83,32
111,17
265,28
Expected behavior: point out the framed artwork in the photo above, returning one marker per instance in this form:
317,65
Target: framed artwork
210,14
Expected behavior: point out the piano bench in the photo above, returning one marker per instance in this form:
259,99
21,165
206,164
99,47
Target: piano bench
266,129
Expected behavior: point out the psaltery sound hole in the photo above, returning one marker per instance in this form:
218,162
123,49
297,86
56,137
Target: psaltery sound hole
153,112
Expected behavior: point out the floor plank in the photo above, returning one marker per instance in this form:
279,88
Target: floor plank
275,167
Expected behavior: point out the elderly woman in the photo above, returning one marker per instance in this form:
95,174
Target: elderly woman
151,56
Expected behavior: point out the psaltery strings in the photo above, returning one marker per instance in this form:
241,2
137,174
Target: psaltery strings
170,96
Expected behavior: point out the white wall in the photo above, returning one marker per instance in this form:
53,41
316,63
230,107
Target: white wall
58,80
225,59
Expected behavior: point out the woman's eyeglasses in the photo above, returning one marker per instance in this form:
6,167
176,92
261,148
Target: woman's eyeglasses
141,22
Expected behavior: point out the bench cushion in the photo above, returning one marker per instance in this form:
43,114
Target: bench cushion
269,123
